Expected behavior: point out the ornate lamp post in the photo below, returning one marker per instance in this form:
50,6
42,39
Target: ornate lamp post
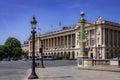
82,41
82,35
41,51
33,73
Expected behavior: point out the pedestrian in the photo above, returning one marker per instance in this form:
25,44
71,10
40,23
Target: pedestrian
93,61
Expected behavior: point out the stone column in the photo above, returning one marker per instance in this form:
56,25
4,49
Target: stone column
113,38
54,42
48,44
60,42
108,37
103,37
67,41
38,44
73,40
57,42
76,39
64,41
117,38
89,38
45,44
71,45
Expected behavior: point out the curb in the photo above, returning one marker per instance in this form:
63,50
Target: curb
99,69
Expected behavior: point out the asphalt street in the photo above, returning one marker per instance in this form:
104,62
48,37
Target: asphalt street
54,70
13,70
17,70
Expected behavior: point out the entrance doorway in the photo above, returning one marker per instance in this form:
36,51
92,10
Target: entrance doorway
91,55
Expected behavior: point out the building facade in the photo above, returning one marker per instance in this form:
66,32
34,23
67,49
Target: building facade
25,46
102,41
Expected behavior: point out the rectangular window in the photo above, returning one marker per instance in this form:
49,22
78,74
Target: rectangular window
92,42
92,31
87,43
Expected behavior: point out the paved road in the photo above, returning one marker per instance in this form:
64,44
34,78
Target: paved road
17,70
58,63
72,73
55,70
13,70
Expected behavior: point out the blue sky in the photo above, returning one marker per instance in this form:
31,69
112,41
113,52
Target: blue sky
15,15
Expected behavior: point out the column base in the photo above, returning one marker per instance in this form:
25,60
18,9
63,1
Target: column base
82,61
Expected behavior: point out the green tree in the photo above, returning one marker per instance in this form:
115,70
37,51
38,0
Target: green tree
3,51
12,42
17,52
25,53
14,47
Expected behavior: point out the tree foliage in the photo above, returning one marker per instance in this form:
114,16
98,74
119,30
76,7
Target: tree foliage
14,47
17,52
12,42
4,50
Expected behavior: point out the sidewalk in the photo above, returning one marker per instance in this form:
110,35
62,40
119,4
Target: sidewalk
73,73
102,68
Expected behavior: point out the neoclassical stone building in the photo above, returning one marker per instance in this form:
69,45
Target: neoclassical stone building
102,41
25,46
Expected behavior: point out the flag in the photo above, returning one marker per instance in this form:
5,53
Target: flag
60,24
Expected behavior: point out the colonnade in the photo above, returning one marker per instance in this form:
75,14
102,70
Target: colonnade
59,45
59,42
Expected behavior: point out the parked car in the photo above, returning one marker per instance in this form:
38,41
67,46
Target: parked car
37,58
48,57
14,59
6,59
24,59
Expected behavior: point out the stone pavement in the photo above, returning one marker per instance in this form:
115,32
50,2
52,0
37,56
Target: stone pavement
102,68
73,73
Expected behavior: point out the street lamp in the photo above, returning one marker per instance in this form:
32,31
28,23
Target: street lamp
82,35
33,73
82,41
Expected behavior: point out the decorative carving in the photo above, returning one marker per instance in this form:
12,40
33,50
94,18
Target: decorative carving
99,20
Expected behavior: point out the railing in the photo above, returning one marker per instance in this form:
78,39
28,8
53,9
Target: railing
94,62
105,62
